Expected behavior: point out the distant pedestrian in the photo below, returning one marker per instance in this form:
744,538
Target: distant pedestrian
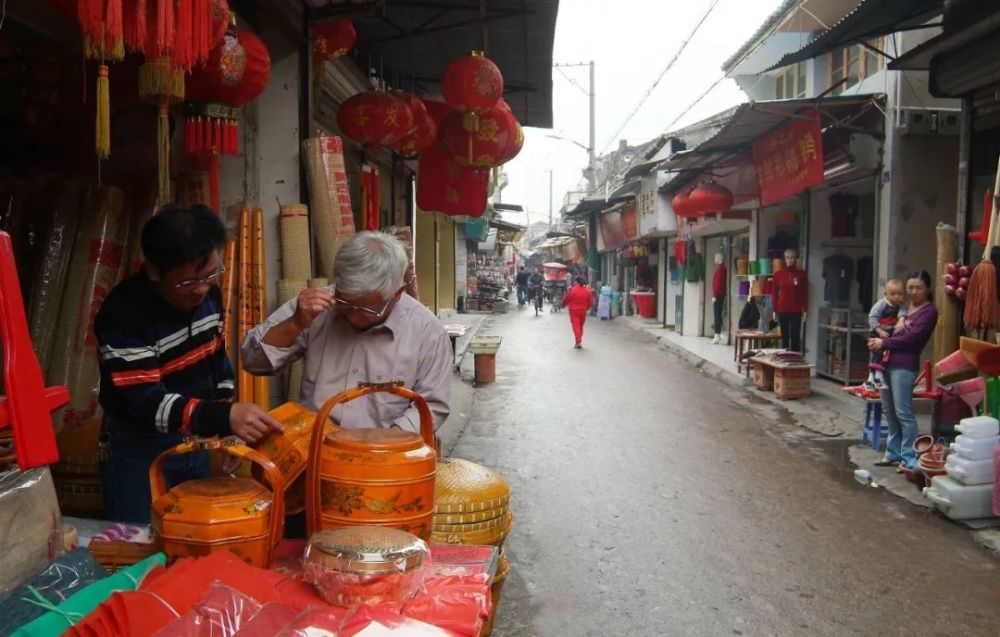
578,300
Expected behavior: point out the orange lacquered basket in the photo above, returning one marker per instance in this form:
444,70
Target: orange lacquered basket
199,517
371,476
289,451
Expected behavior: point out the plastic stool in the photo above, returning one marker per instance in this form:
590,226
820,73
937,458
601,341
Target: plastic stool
874,430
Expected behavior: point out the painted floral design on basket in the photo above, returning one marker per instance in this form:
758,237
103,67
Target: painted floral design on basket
348,500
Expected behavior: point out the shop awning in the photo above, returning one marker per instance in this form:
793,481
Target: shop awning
596,204
507,232
871,19
411,42
750,121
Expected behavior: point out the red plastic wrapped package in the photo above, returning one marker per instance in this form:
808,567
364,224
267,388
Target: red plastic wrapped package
270,621
458,603
372,621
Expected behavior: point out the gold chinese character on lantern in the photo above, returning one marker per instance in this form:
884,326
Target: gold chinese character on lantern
807,148
391,116
488,130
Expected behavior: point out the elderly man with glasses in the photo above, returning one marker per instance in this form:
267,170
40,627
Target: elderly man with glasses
363,329
165,373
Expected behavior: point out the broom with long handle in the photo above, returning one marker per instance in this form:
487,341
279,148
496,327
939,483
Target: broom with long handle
982,307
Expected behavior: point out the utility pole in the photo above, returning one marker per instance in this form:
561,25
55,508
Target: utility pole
592,145
550,199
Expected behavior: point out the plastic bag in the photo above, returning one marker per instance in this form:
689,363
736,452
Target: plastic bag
30,526
459,603
317,622
271,620
64,577
369,621
222,612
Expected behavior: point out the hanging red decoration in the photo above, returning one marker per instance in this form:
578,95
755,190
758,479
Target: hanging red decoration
374,119
445,186
478,140
516,141
331,40
438,110
472,82
711,198
424,130
683,207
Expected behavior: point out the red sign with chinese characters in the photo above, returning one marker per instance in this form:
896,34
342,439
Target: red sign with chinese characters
789,159
630,223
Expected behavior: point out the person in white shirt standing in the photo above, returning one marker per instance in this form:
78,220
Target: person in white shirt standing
362,329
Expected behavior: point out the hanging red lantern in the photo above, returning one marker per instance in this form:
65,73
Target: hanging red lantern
683,207
424,131
472,82
438,110
711,198
478,140
445,186
516,141
331,40
374,119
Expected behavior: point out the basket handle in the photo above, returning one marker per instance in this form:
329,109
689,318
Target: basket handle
313,518
233,446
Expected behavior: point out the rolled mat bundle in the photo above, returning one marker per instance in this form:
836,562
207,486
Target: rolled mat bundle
319,282
329,198
289,289
293,223
50,280
29,524
94,268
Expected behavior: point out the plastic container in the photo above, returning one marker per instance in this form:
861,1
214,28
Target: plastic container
970,471
979,427
485,345
764,266
958,501
975,448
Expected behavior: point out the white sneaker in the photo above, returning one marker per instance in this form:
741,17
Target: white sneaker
715,340
722,339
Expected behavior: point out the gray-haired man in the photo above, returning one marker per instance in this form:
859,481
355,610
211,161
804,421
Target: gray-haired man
362,329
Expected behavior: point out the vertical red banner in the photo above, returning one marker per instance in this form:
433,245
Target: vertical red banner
789,159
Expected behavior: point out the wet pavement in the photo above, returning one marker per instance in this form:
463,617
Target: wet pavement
653,500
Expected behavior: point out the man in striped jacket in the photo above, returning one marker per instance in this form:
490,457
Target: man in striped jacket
165,373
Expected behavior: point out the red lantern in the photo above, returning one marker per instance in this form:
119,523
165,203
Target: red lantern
472,82
445,186
438,110
478,140
516,141
710,198
374,119
424,131
331,40
683,207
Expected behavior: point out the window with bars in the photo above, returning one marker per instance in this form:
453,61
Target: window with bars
855,63
790,82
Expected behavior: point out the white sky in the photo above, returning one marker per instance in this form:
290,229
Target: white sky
630,41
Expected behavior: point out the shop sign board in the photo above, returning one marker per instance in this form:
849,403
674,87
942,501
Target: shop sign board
789,159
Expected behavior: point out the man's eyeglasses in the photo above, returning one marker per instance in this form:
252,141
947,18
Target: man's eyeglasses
211,279
364,310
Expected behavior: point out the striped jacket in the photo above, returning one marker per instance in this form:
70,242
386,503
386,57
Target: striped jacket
163,370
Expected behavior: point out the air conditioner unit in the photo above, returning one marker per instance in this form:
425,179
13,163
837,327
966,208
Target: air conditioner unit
924,121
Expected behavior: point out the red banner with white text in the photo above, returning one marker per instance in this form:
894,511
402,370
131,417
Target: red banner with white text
789,159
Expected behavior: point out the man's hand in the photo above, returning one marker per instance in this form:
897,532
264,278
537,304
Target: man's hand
875,344
251,423
311,303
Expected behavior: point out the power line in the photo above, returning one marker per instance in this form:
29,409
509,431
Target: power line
659,77
694,103
571,80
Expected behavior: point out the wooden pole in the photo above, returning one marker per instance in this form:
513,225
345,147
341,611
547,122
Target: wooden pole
245,293
949,316
262,384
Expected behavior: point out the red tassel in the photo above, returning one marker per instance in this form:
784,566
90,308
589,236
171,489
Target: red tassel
112,25
199,134
188,136
164,26
216,135
183,52
134,24
202,29
236,137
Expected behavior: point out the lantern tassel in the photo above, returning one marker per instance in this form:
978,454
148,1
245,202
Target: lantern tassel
163,154
183,50
102,137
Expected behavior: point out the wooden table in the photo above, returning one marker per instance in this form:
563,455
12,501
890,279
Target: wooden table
748,340
455,331
787,380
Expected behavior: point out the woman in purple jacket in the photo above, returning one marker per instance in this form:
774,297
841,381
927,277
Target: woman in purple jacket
904,348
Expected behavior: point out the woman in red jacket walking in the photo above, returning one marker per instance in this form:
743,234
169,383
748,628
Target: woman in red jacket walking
578,300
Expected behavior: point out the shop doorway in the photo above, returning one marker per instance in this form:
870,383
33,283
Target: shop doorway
716,245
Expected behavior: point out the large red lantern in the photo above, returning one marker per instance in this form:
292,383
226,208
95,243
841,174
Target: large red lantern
445,186
711,198
438,110
516,141
478,140
374,119
424,131
331,40
683,207
472,82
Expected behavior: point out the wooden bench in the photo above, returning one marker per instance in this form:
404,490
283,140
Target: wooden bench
749,340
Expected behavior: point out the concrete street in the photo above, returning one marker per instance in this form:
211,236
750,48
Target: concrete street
653,500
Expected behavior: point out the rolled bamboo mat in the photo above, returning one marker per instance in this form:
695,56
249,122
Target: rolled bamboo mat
949,317
50,280
262,384
289,289
329,198
296,260
228,290
94,268
319,282
244,292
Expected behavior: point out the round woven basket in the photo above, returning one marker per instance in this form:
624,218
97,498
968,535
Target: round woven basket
467,487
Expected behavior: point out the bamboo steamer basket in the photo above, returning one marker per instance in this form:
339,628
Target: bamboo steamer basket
496,588
466,487
289,451
199,517
493,537
468,518
382,477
